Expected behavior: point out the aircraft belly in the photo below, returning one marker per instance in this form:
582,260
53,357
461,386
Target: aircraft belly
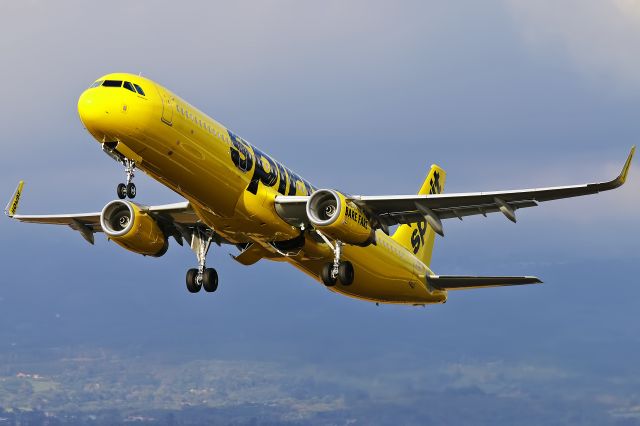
379,277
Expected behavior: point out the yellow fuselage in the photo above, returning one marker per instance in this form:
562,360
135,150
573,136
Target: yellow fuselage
232,186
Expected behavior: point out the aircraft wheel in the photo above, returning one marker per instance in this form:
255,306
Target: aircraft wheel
346,273
121,190
325,274
192,281
131,190
210,280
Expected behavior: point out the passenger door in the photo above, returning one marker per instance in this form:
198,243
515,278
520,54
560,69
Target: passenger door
167,107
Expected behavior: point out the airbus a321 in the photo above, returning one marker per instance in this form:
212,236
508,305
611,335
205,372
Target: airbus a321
237,194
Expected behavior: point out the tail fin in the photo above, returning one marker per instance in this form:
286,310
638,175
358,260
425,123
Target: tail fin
419,237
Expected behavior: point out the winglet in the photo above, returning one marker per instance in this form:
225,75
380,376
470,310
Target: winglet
12,207
622,177
625,170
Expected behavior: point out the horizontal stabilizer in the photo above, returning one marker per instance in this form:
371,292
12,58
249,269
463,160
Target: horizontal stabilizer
461,282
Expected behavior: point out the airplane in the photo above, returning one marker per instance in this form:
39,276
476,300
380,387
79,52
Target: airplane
237,194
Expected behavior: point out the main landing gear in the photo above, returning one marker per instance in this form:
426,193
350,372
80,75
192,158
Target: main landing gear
202,277
337,270
128,189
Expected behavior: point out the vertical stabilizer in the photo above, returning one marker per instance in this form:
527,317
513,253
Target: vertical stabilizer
419,237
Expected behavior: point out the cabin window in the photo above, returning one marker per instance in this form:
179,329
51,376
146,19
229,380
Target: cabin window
97,83
129,86
112,83
139,89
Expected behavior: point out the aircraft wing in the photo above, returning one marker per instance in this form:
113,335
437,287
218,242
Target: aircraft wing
176,219
403,209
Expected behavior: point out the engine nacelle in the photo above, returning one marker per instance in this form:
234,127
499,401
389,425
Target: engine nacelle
330,212
129,226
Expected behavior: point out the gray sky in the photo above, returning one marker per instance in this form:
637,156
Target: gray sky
358,95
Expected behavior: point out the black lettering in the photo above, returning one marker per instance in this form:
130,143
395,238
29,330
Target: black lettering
14,206
422,229
267,170
260,174
240,153
415,241
417,236
435,184
293,183
282,172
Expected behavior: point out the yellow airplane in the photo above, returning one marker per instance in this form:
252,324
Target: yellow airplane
237,194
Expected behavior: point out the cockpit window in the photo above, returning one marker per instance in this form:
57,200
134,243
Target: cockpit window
129,86
139,89
96,84
112,83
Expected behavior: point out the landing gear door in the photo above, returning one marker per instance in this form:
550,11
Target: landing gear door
167,107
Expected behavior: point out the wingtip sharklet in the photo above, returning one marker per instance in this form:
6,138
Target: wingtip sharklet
622,177
12,207
625,169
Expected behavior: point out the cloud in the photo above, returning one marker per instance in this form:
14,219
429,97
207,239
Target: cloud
601,38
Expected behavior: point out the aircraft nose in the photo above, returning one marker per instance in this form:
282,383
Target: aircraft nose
93,112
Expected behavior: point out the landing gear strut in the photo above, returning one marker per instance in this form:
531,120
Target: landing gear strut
202,277
128,189
337,270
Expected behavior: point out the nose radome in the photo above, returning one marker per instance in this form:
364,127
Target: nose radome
92,112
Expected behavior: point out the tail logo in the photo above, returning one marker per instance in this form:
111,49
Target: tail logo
435,184
417,236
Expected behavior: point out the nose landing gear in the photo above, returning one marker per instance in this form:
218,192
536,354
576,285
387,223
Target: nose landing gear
129,189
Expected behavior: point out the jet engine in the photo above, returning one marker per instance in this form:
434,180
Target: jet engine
331,213
132,228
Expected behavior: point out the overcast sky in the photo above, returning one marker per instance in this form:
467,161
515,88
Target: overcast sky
360,95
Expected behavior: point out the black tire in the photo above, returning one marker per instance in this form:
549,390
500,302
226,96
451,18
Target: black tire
131,190
346,273
192,281
325,274
121,190
210,280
